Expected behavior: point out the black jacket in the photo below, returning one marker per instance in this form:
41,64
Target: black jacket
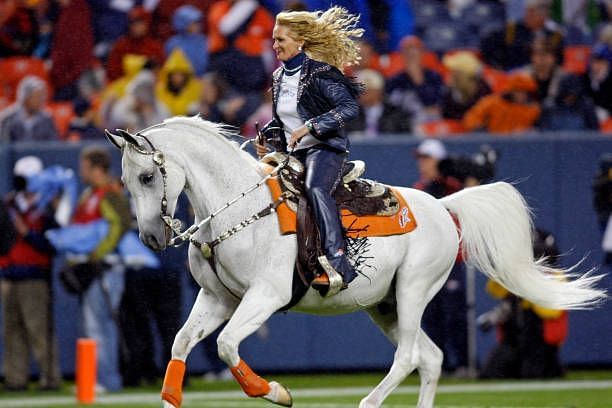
325,97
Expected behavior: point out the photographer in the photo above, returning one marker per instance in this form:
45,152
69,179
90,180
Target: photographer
602,201
445,318
529,336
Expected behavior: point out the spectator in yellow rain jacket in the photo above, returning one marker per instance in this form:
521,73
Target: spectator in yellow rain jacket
177,87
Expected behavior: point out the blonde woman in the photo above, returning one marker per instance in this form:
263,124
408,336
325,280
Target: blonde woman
312,102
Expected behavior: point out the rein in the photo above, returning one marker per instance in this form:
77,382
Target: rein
206,248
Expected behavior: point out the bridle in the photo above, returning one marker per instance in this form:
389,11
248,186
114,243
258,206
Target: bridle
175,225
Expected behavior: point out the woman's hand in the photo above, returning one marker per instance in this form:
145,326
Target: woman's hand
296,135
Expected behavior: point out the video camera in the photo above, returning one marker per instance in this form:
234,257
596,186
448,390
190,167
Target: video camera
602,188
480,166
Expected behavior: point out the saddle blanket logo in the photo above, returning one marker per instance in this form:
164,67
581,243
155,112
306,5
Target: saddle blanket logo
401,222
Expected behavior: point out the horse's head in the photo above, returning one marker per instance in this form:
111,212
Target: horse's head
154,181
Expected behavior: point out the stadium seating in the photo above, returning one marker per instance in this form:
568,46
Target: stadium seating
448,35
440,128
576,58
13,69
483,15
62,113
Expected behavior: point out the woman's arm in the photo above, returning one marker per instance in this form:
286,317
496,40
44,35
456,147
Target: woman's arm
345,108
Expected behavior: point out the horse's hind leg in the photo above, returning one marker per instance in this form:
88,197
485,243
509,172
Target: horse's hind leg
430,368
429,355
207,313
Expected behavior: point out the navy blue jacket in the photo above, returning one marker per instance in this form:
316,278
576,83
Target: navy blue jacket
325,97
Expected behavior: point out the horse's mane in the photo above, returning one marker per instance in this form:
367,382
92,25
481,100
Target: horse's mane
204,128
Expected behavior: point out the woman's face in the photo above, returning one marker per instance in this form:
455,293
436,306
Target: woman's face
284,45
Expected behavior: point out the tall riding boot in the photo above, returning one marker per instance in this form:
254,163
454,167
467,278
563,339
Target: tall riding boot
341,264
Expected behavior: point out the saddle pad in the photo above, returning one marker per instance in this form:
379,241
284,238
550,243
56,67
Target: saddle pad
357,226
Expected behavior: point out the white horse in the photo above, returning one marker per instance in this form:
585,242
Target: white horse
254,267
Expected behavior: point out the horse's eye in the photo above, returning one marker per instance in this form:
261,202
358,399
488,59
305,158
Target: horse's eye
146,178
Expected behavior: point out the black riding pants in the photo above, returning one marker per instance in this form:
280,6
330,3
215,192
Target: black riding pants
323,172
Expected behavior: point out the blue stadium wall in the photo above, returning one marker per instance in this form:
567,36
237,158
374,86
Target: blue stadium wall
554,172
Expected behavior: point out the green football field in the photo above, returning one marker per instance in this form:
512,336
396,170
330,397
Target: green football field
579,389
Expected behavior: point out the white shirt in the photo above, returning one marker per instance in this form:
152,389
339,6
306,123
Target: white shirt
286,110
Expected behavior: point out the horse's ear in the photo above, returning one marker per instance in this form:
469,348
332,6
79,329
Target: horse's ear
117,141
128,137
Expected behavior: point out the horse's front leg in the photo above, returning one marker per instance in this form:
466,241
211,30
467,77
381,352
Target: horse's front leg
207,314
257,305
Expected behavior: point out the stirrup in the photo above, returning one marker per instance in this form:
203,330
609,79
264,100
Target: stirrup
334,278
357,170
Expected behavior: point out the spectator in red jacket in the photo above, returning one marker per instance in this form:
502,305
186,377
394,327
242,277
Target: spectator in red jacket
18,29
72,50
138,41
239,33
25,276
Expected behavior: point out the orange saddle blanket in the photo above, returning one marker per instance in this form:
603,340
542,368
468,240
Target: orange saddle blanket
357,226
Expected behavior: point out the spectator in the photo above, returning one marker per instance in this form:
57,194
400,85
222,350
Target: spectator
25,120
71,50
139,108
132,65
103,200
261,116
25,272
83,125
164,12
444,319
510,47
138,41
177,87
187,23
152,296
239,32
600,80
109,24
465,85
509,112
417,90
572,109
18,29
545,70
388,64
529,336
429,154
376,115
220,103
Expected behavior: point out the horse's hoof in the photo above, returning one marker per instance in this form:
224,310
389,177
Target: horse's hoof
166,404
279,395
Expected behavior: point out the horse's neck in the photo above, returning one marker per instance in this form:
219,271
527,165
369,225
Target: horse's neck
215,173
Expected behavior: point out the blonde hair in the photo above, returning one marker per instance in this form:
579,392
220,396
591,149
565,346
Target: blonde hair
328,36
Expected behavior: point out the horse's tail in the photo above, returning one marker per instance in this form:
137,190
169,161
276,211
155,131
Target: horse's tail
497,238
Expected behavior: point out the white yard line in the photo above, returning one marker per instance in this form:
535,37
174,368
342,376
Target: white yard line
222,399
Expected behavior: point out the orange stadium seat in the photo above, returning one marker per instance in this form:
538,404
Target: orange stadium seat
62,113
576,58
443,127
496,79
606,126
431,61
14,69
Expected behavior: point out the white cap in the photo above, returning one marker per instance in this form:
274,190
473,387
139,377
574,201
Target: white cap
432,148
27,166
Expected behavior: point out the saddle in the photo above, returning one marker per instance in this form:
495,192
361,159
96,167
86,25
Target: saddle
358,196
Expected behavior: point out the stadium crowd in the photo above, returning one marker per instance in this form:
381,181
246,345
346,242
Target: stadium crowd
70,68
